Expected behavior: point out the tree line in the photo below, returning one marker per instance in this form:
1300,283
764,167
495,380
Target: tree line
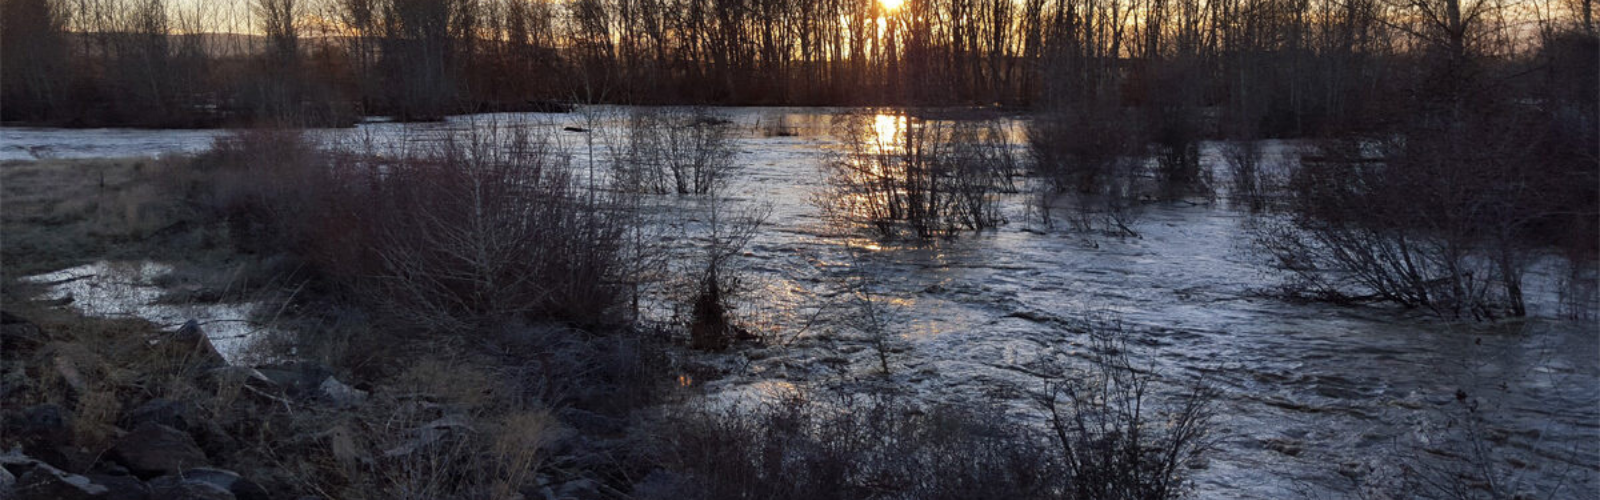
1278,67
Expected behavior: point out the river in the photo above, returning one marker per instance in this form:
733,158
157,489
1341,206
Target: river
1311,394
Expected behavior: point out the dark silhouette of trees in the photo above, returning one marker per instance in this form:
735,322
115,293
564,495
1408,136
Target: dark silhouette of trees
1195,69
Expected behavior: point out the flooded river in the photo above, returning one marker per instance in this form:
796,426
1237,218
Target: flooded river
1311,395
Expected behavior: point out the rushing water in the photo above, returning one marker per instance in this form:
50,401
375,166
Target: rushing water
1311,394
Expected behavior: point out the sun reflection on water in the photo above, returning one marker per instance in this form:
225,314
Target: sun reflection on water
888,131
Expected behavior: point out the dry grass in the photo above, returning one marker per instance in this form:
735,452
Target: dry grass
58,213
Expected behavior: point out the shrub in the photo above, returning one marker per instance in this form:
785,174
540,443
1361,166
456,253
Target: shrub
674,150
490,226
1106,436
717,278
1244,158
1094,155
1115,439
475,228
931,178
850,447
1443,218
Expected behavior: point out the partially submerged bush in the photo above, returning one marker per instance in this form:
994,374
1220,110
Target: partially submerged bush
491,226
931,178
1095,157
673,150
1247,186
1446,219
717,279
1115,437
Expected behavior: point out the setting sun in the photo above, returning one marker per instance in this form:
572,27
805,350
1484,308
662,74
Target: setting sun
890,4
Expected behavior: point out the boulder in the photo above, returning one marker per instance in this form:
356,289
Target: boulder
152,449
174,414
18,335
44,482
14,462
8,483
192,341
121,487
238,486
430,433
241,375
578,488
341,395
297,379
44,431
181,488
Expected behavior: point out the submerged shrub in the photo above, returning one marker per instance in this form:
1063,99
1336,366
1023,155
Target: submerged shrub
1093,156
674,150
929,178
1446,218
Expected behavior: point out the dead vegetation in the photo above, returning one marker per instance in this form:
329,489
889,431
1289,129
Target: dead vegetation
926,178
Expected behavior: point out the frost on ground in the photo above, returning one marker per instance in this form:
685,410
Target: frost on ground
129,290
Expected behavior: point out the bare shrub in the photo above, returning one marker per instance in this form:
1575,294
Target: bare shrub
1095,156
1114,436
488,226
1179,173
269,185
1465,455
475,228
866,311
1247,181
931,178
870,317
1108,433
671,150
717,279
777,125
845,446
1442,219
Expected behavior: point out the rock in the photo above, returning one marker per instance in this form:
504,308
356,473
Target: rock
341,395
110,469
49,483
8,483
578,488
191,339
181,488
153,449
68,372
174,414
297,379
18,335
241,375
122,487
238,486
213,438
343,446
16,463
430,433
43,431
